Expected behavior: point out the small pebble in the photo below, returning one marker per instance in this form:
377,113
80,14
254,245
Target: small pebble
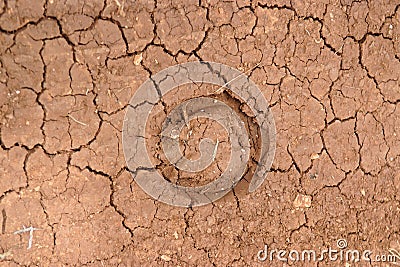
176,235
165,258
137,59
302,201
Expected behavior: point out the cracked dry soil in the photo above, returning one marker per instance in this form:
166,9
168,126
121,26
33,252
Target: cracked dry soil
330,70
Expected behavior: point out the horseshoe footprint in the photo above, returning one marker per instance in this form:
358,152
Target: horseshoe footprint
151,92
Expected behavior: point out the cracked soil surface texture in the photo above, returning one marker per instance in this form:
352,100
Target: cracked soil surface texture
330,70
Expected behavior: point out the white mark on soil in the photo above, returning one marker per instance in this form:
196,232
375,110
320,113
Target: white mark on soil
30,230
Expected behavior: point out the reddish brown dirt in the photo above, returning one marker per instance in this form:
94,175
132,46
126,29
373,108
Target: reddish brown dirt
329,69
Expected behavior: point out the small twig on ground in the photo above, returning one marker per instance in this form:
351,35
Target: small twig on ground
75,120
30,230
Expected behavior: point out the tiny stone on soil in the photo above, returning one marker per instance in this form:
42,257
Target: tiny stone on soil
10,116
176,235
165,258
5,255
137,59
302,201
314,156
